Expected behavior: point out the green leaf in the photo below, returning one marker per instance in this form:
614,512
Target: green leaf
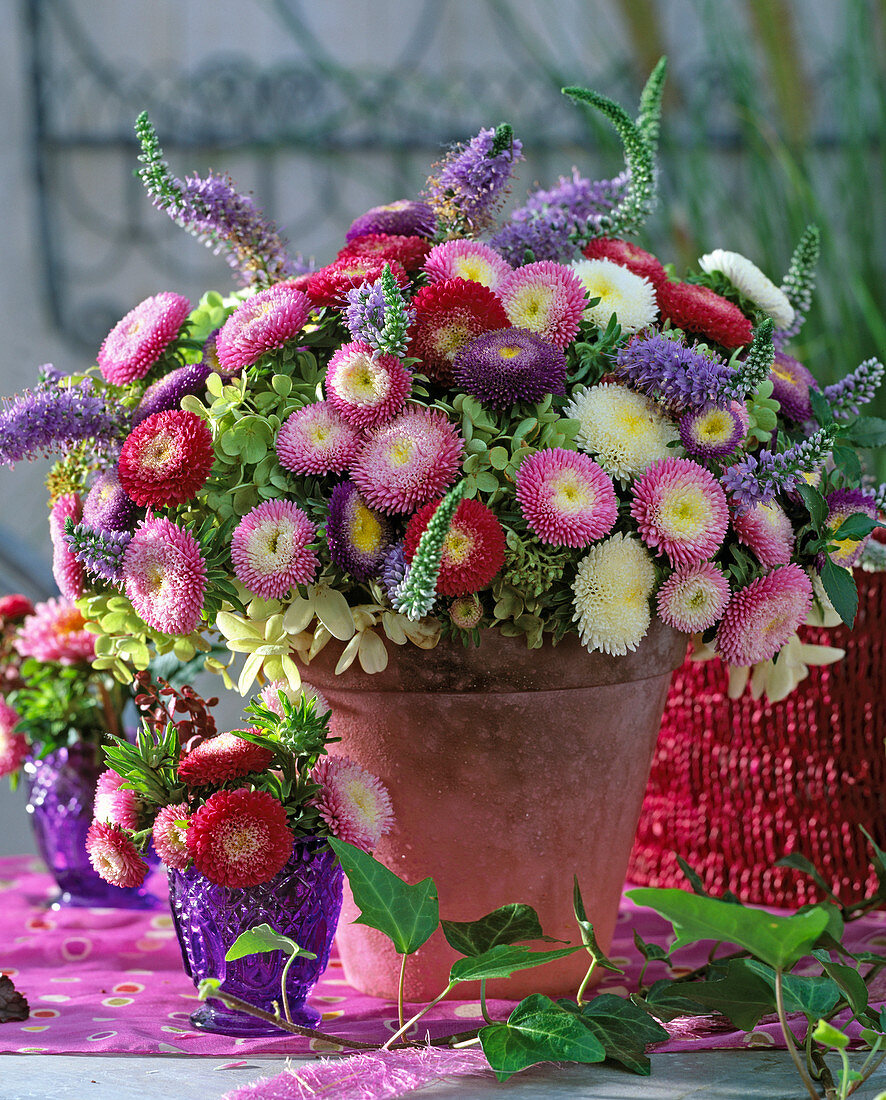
512,923
814,997
839,584
588,937
849,980
867,431
487,482
855,527
821,408
538,1031
650,951
829,1035
801,863
815,503
623,1028
501,961
208,987
848,461
261,940
779,941
742,996
498,458
664,1000
408,915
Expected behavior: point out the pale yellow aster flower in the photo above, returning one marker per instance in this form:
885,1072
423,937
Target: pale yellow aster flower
612,587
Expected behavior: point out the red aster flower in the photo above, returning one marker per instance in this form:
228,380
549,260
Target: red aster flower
449,315
628,255
329,285
166,459
14,607
113,855
409,251
240,838
698,309
473,551
223,757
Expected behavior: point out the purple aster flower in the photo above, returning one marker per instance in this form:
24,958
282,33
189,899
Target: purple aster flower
683,376
472,179
100,552
508,365
713,431
403,218
857,388
107,505
48,419
842,504
167,392
791,383
394,570
358,536
757,478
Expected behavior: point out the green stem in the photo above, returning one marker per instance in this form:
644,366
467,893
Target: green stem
483,1001
400,986
867,1071
789,1037
844,1076
584,982
283,977
418,1016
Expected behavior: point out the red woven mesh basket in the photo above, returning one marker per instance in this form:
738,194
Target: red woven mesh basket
736,784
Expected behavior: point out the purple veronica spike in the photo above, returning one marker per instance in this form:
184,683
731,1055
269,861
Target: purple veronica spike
394,571
100,552
686,378
50,418
757,478
857,388
473,177
167,392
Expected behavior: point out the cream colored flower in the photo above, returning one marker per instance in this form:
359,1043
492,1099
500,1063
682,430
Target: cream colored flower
746,277
622,292
613,585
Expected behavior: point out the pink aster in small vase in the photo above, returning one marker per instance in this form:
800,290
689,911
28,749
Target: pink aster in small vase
367,389
240,837
465,259
841,505
270,696
270,550
261,324
137,341
114,856
221,758
56,633
353,802
170,833
762,617
115,804
358,536
409,461
316,440
164,576
67,571
14,748
166,459
680,510
693,597
714,431
566,498
509,365
546,298
473,549
767,531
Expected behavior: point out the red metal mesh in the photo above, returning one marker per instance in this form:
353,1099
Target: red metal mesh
736,784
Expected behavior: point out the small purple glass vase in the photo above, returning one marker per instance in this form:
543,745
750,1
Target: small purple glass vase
61,792
301,901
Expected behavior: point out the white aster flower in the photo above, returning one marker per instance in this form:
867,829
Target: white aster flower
612,587
746,277
622,292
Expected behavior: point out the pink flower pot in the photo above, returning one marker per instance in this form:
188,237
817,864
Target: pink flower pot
509,769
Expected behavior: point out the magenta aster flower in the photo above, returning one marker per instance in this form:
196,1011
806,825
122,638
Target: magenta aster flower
352,802
766,531
680,510
166,460
841,505
409,461
137,341
164,576
565,497
366,388
473,552
67,571
56,633
316,440
113,855
261,324
114,803
14,747
762,617
170,836
714,431
791,383
512,364
693,597
270,549
358,536
547,298
464,259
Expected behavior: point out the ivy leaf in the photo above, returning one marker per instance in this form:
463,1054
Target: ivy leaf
851,983
408,915
538,1031
13,1005
742,996
501,961
814,997
623,1028
778,941
664,1001
588,937
839,584
512,923
801,863
261,940
878,859
650,951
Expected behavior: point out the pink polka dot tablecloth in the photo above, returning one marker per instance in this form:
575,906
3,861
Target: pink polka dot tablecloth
111,981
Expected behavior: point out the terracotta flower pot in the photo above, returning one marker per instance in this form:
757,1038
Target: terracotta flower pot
509,769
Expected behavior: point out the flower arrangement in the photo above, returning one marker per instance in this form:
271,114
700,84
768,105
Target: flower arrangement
544,432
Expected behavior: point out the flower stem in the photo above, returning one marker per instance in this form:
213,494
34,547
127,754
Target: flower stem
417,1016
584,982
311,1033
789,1037
400,985
283,977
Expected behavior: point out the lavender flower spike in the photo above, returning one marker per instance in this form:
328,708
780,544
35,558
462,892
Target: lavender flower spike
101,552
857,388
757,478
472,179
378,314
684,376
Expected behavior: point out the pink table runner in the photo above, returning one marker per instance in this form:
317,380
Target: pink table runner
110,981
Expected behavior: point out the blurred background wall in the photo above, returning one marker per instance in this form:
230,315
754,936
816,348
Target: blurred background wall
774,117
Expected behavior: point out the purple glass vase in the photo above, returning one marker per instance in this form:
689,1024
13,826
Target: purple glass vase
61,792
302,901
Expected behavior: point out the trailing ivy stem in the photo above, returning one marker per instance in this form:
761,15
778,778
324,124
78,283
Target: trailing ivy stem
400,985
789,1036
417,1016
283,977
466,1043
483,1001
844,1077
311,1033
584,983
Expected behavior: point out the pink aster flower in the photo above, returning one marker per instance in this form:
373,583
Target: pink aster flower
409,461
316,440
565,497
114,803
767,532
113,855
55,633
680,510
14,747
270,549
136,342
693,598
353,802
164,576
366,388
270,696
170,834
67,571
463,259
261,324
762,617
546,298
